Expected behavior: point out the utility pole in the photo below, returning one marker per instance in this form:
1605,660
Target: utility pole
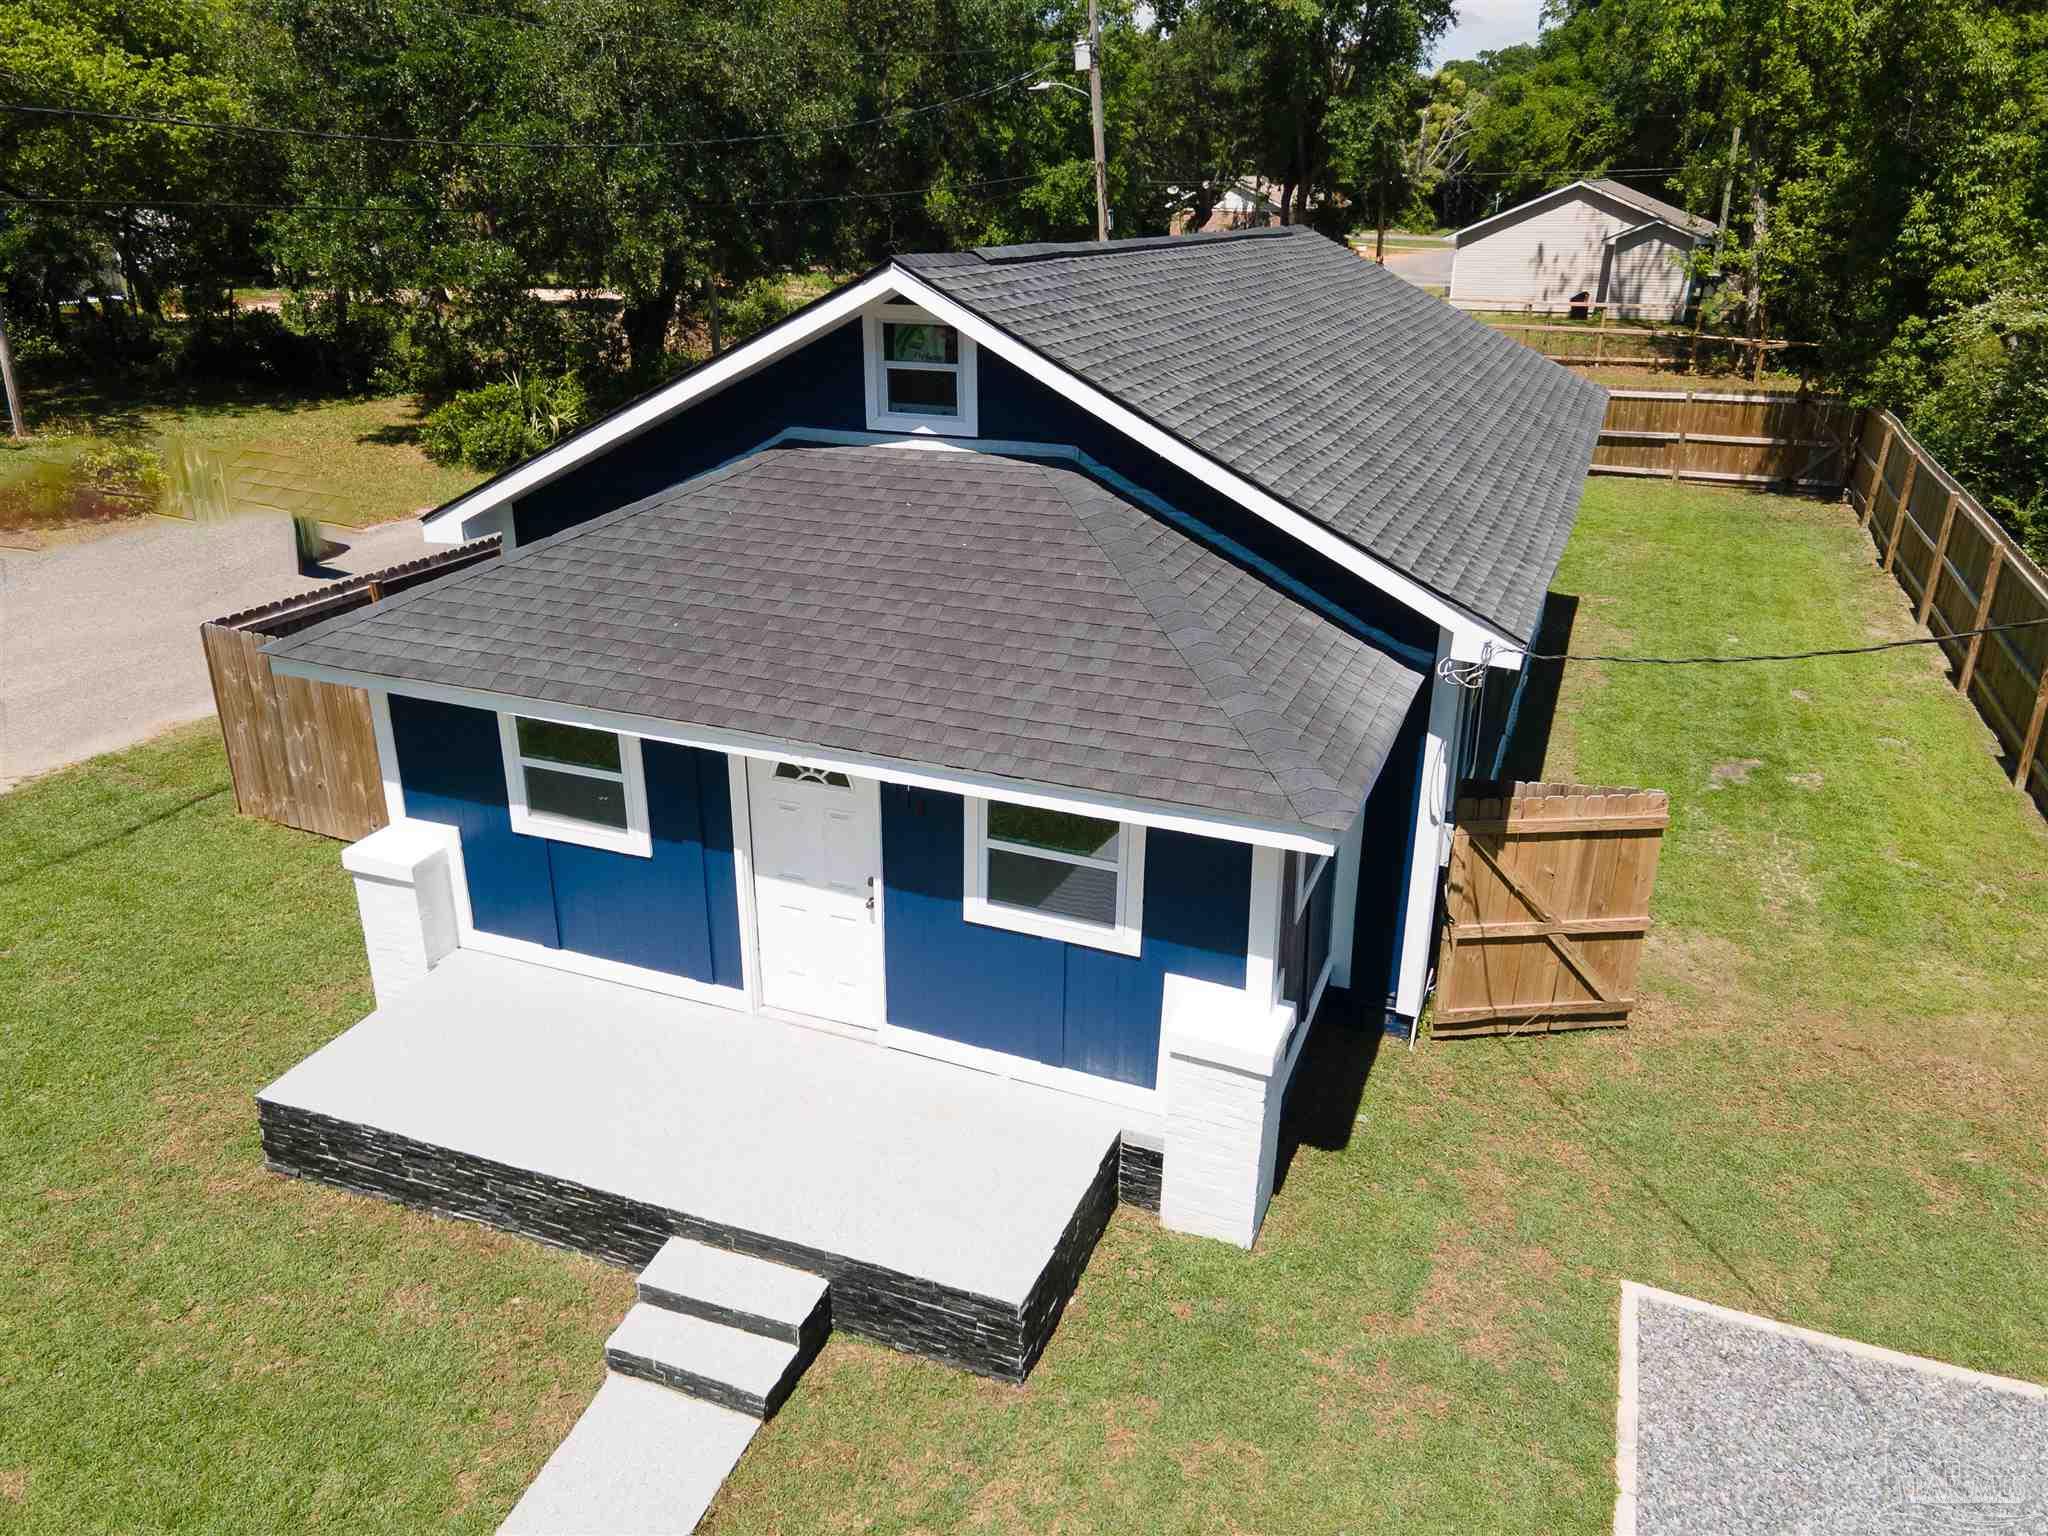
1095,106
19,427
1728,181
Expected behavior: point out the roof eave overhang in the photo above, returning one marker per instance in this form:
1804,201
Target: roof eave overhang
1298,836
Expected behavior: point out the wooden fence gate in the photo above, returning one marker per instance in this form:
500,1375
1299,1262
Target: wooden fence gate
1547,904
305,753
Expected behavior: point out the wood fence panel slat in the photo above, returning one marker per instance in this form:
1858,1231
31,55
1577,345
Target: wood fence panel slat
1548,901
305,753
1975,575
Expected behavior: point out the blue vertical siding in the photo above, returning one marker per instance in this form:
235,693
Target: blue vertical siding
676,912
454,772
1322,906
819,385
1387,851
1068,1005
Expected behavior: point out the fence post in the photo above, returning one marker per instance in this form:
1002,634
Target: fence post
2033,740
1983,618
1868,510
1899,511
1948,521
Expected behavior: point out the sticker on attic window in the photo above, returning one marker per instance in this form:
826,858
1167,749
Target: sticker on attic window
795,773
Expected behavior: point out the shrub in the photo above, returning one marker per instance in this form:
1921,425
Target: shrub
131,470
1986,418
502,423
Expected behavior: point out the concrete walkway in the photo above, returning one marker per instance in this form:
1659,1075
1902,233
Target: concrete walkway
1735,1425
99,638
642,1461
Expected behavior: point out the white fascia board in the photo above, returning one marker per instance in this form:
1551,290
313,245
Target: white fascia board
1402,588
776,342
1539,199
1051,797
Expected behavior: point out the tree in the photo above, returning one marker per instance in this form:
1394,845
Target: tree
1308,59
110,194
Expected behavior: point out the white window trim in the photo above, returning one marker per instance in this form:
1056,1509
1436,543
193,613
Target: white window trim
880,418
1125,938
636,839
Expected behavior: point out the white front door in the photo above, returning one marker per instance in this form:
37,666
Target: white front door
817,890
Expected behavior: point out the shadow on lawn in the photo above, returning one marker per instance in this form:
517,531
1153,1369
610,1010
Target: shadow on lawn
1329,1080
1537,716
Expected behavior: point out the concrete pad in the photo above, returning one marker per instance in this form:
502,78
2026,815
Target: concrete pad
642,1461
1736,1425
837,1145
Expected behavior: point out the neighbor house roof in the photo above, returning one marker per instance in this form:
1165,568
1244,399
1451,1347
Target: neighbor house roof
954,608
1431,441
1654,209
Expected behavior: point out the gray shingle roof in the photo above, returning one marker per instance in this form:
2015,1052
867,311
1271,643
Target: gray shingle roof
1430,440
1655,207
961,609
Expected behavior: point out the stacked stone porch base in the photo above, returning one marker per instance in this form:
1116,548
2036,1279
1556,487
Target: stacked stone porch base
976,1333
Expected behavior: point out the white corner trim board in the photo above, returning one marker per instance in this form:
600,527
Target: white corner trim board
387,754
1235,829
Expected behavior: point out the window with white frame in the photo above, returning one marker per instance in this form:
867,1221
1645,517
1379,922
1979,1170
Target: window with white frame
1055,874
920,373
575,784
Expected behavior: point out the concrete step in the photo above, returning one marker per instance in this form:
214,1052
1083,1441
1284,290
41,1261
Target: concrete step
642,1461
713,1361
740,1291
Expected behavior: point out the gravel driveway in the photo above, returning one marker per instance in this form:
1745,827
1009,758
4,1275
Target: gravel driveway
99,638
1732,1425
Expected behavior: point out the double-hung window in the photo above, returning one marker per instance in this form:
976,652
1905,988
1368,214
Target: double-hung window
920,373
1055,874
575,784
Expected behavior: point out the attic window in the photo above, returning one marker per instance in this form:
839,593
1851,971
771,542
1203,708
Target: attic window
920,373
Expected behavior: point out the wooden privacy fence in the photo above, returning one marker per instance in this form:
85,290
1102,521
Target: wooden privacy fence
1604,341
1796,442
1547,902
305,753
1964,572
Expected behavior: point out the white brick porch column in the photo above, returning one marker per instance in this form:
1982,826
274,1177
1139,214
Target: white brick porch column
405,890
1223,1090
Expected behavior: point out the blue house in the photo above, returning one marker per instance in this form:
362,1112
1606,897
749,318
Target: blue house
1026,663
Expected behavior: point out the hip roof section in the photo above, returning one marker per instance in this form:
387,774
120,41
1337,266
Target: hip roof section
1433,442
944,607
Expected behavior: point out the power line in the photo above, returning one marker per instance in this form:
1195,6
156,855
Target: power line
1472,674
339,136
438,210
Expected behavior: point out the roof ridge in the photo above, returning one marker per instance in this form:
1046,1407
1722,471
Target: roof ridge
1181,622
1056,250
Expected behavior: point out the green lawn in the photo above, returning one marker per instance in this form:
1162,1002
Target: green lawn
1828,1109
363,452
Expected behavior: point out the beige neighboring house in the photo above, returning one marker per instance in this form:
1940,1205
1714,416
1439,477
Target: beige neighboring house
1596,241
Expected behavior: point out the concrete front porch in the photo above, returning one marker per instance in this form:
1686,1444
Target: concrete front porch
951,1211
